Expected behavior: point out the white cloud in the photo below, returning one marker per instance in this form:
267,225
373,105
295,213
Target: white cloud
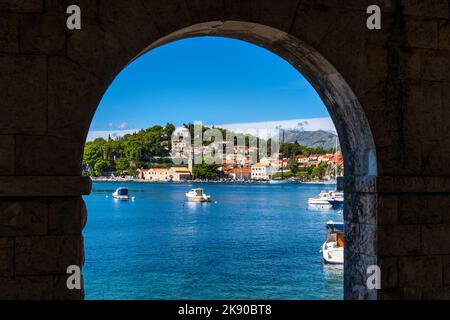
92,135
263,129
122,126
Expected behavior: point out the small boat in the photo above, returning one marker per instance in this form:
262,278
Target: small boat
330,182
281,181
121,194
198,195
333,247
321,201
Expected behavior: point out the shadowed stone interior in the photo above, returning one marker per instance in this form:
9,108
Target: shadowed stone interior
387,92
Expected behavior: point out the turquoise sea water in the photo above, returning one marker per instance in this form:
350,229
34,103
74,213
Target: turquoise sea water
254,241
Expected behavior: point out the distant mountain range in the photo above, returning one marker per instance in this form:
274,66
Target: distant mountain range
319,138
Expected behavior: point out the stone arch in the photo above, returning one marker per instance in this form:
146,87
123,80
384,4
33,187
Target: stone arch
52,79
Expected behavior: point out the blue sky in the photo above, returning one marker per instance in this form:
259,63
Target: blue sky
209,79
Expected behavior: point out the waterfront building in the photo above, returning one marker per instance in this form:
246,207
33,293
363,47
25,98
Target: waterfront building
263,171
156,174
179,174
165,174
142,174
317,159
301,159
240,174
274,162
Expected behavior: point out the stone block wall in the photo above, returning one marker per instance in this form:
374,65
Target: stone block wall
414,243
39,239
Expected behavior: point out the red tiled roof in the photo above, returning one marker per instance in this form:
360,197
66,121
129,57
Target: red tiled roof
241,171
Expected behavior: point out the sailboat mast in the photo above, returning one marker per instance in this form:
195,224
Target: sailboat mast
282,170
336,159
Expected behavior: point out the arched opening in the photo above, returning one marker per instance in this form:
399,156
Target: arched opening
347,114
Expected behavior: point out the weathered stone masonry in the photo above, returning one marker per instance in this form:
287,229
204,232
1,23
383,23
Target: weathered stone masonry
387,91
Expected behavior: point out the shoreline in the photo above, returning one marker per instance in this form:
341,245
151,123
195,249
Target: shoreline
202,181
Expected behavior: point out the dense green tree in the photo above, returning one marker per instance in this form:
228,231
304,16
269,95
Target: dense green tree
303,175
290,150
169,129
122,165
129,152
102,167
320,171
293,165
91,154
205,171
285,175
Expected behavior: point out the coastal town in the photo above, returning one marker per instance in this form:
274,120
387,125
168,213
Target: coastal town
265,170
177,160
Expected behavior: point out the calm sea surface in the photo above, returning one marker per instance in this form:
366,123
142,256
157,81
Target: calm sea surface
254,241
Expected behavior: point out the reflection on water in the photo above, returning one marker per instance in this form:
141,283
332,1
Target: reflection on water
196,206
333,270
319,208
253,241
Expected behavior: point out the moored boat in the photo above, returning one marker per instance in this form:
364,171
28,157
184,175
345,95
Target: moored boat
280,181
331,181
198,195
121,194
327,200
333,247
284,181
321,201
337,199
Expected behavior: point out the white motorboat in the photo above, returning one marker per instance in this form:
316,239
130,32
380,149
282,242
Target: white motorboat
333,247
327,200
121,194
198,195
284,181
330,182
337,199
321,201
